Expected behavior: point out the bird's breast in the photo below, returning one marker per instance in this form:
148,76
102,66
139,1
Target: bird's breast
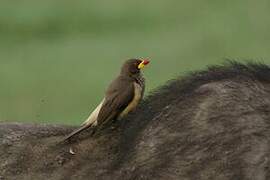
135,101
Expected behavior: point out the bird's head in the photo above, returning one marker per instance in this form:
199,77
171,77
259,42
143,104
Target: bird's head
134,66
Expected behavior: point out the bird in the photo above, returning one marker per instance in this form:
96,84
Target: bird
121,97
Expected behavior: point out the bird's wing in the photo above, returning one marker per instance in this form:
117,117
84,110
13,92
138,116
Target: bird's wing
115,102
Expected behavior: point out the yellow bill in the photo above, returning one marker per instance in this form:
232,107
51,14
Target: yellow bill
143,64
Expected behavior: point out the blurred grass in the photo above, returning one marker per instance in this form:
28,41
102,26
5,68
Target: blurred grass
57,57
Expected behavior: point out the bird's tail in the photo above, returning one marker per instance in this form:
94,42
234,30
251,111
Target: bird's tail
77,131
90,121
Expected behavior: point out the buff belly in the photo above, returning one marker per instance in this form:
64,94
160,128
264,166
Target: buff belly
135,101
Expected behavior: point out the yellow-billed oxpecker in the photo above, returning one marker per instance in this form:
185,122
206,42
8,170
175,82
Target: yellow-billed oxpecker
122,96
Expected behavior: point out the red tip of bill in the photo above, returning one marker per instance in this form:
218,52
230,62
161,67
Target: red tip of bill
145,62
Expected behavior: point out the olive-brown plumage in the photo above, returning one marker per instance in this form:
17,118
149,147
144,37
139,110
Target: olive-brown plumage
122,96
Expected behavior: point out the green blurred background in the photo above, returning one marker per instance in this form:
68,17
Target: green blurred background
58,56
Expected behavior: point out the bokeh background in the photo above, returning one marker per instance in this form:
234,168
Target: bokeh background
58,56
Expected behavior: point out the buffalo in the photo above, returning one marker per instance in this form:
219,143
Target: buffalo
210,124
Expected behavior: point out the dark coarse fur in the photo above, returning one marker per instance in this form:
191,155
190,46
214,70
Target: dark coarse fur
211,124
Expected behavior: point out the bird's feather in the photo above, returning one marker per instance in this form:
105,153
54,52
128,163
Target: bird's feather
119,95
